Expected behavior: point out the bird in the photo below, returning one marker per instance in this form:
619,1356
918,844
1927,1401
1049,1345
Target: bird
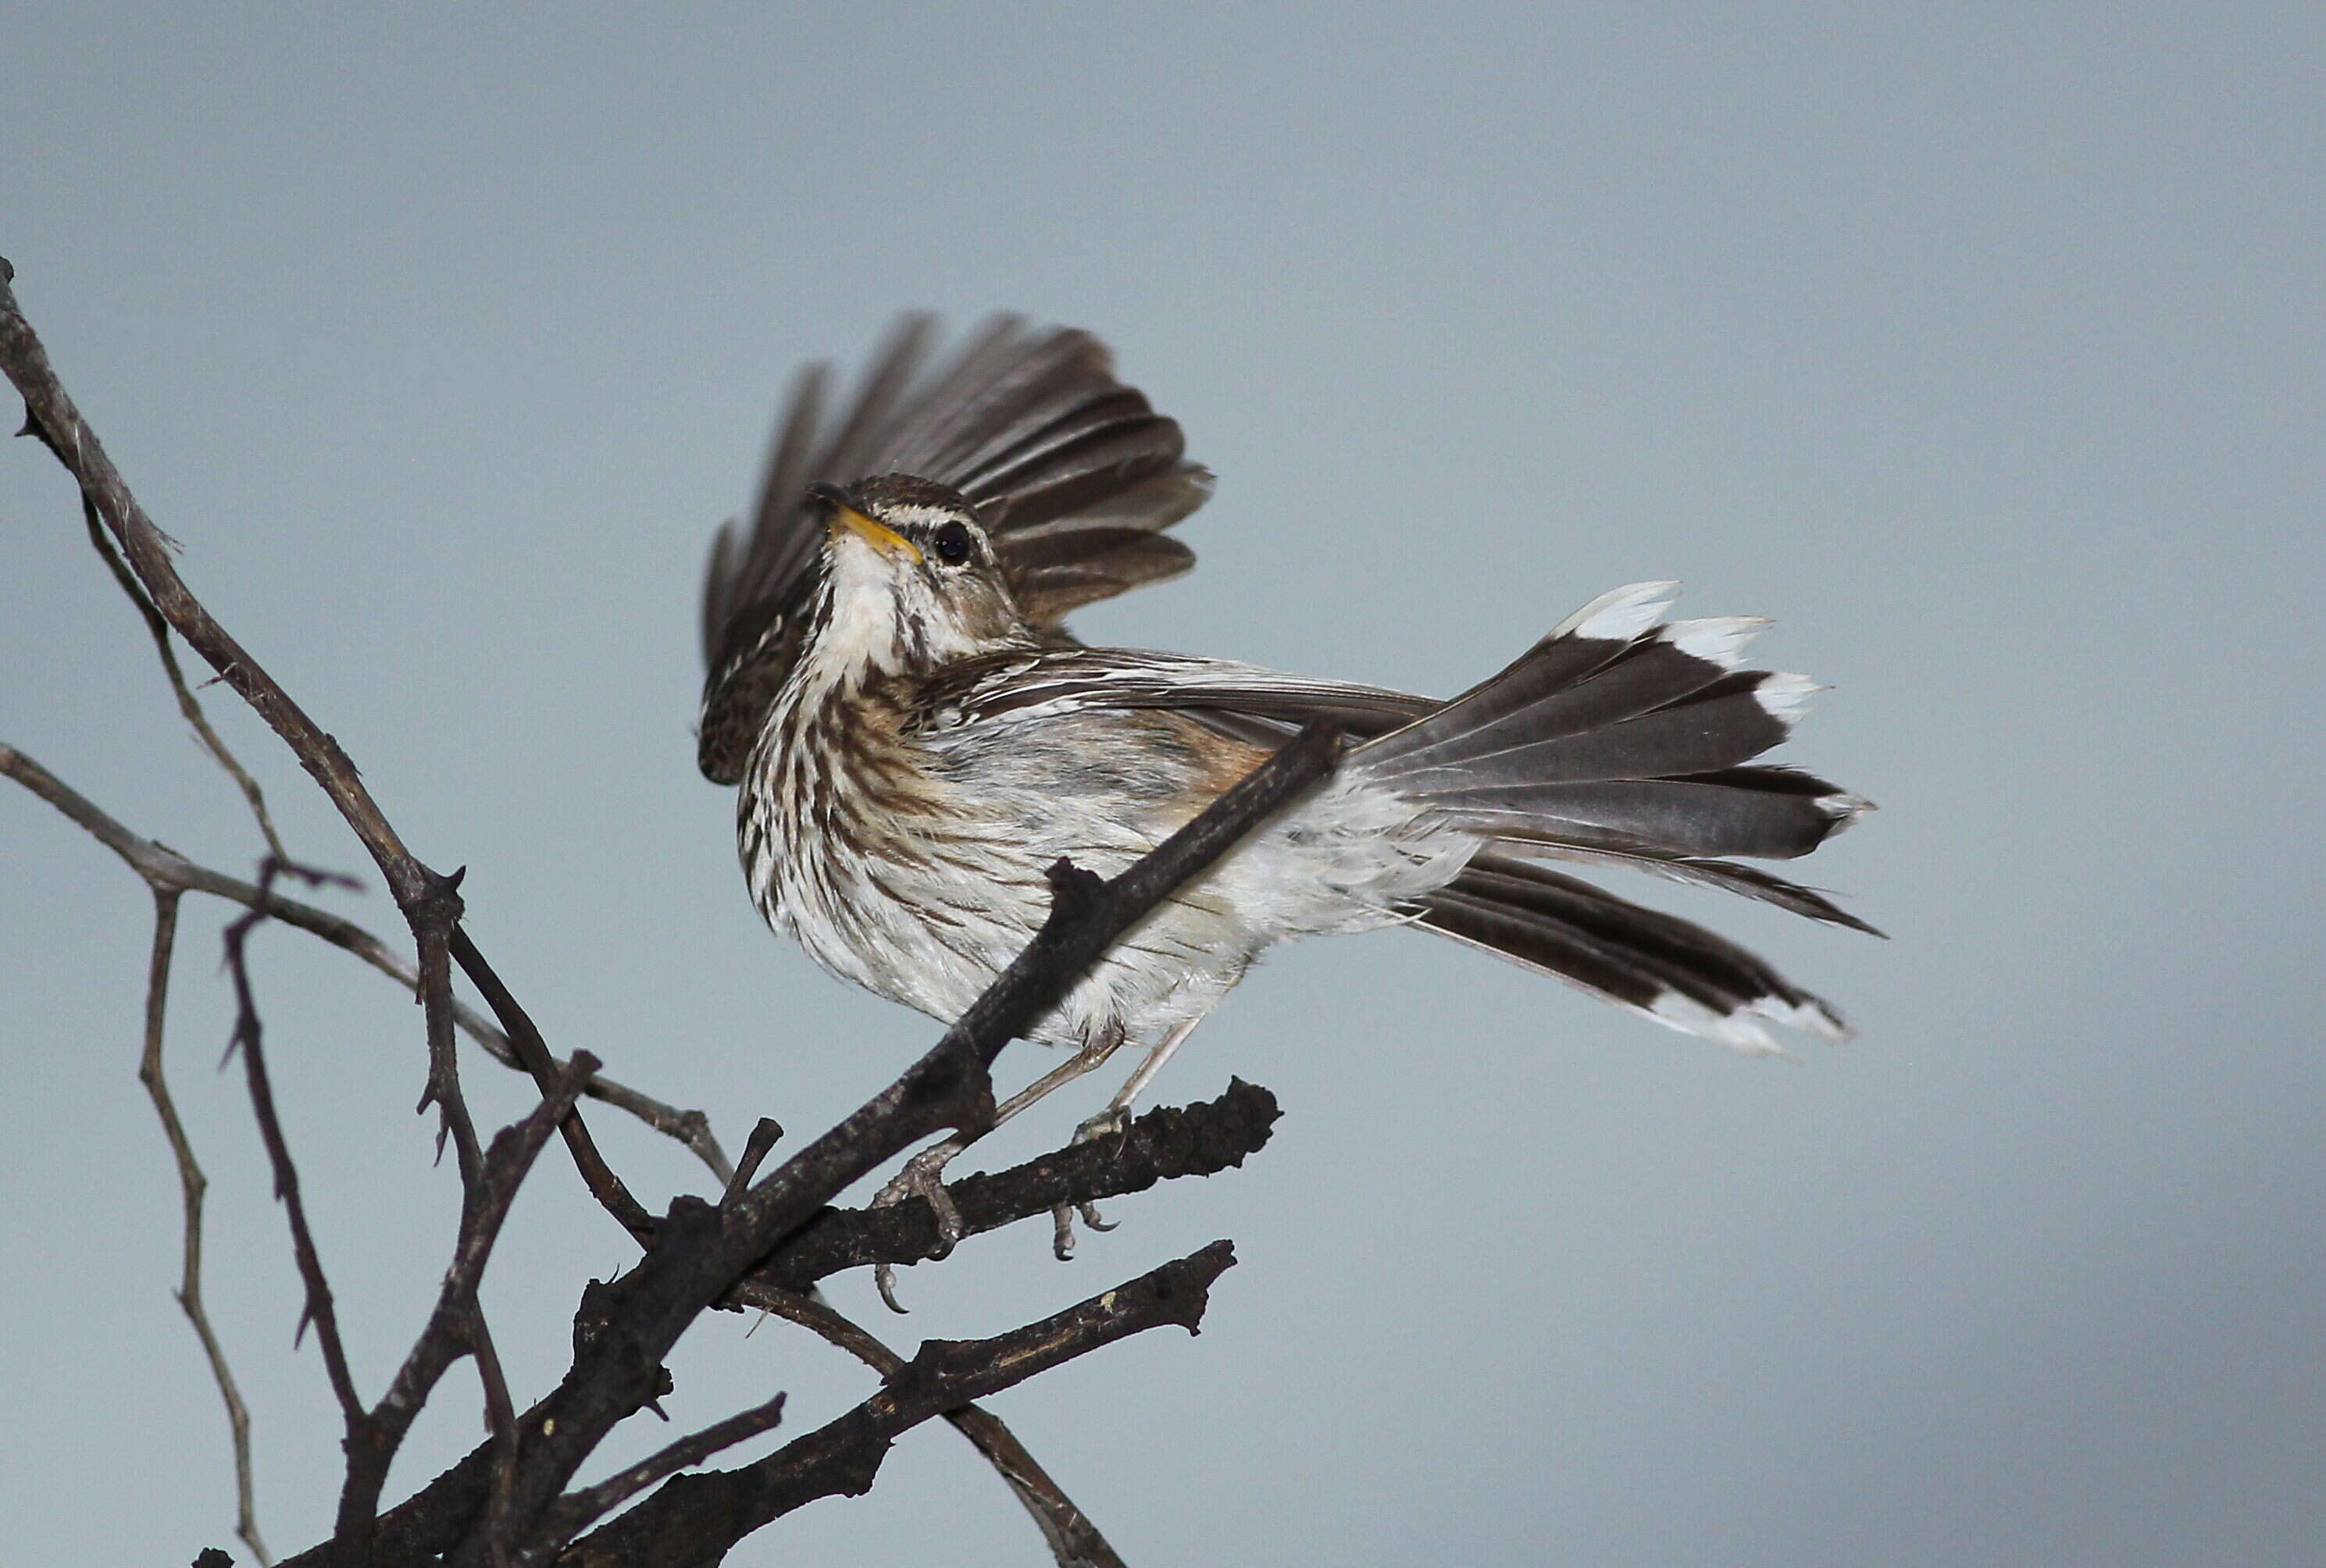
916,736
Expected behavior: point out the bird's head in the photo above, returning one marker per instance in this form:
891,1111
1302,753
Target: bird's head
914,581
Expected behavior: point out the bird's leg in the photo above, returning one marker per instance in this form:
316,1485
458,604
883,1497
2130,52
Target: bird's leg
923,1175
1113,1121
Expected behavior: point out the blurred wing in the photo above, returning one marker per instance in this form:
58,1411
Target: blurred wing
1073,473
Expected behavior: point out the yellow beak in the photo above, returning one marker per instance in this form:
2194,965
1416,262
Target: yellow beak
885,540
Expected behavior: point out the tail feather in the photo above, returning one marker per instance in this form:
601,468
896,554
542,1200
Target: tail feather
1728,875
1687,816
1726,725
1537,700
1614,733
1658,965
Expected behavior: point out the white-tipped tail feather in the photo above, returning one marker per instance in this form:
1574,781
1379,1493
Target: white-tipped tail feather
1619,615
1786,696
1722,639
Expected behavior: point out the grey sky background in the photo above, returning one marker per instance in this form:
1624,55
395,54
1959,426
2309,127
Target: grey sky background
1979,346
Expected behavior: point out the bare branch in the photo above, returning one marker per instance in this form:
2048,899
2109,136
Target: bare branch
194,1184
696,1519
1072,1539
457,1325
700,1249
1166,1143
697,1252
430,902
164,868
583,1507
50,413
764,1135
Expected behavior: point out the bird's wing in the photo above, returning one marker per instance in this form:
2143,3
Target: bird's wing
1032,685
1074,474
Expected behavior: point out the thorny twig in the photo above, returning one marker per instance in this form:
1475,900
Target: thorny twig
1069,1531
319,1309
534,1052
428,900
457,1325
193,1184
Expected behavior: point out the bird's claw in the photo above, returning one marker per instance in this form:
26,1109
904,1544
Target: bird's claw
1114,1121
922,1177
1062,1227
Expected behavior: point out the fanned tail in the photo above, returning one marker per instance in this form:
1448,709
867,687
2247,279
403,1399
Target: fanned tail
1618,740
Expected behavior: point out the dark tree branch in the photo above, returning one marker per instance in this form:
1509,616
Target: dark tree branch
429,901
700,1251
695,1519
192,1184
165,869
577,1511
756,1148
534,1052
1070,1533
1072,1539
457,1325
1168,1142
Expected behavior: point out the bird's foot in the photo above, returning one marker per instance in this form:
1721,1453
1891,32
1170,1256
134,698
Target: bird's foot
1112,1122
922,1177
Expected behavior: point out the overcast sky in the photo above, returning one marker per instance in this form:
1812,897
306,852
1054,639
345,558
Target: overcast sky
1979,346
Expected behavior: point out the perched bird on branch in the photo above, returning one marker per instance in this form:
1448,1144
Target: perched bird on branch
918,737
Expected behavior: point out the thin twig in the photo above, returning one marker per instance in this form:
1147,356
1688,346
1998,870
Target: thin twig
429,901
164,868
194,1185
318,1309
187,704
52,414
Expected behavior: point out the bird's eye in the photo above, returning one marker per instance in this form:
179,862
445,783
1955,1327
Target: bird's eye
953,543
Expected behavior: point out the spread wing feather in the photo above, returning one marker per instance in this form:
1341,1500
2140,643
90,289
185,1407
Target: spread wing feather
1073,473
